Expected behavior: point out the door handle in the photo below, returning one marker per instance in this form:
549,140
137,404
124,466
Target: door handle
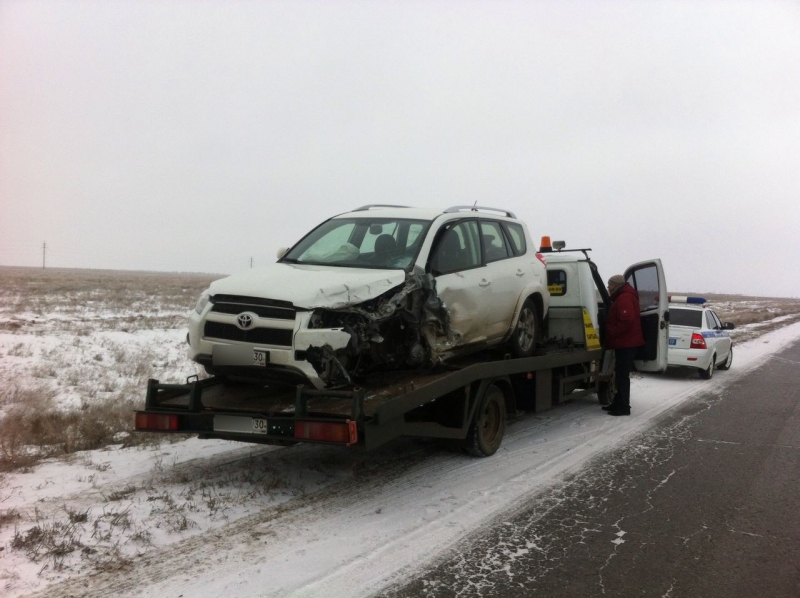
520,272
484,283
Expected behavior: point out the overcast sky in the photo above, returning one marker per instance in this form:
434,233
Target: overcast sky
192,136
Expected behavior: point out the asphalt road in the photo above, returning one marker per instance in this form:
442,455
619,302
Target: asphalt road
705,503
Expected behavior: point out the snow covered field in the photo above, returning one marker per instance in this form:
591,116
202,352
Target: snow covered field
210,518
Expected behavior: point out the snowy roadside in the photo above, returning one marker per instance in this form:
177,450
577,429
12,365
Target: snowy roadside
302,521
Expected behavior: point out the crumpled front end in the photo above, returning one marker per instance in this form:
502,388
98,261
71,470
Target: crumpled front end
396,330
405,327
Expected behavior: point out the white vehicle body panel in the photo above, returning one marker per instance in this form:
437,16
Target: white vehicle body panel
718,341
310,286
649,281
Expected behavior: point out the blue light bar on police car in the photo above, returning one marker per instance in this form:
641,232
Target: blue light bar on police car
685,299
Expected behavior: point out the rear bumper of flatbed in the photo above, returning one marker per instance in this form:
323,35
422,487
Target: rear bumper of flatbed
368,416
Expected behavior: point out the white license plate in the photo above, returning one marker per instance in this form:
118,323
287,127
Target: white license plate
260,358
260,425
673,341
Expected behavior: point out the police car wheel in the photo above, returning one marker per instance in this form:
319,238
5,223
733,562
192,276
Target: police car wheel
708,373
728,361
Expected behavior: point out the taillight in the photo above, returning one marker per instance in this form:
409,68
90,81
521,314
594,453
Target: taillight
156,421
327,431
541,258
698,342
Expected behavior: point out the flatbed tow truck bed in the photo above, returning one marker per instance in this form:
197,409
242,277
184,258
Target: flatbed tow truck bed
446,403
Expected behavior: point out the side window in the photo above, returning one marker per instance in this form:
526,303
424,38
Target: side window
494,242
717,320
645,281
517,235
710,321
458,249
557,282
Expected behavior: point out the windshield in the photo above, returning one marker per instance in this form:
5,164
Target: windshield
685,317
384,243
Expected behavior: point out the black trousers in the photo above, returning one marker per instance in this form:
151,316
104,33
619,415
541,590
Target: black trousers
623,362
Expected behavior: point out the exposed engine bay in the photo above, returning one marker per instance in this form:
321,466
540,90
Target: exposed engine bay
406,327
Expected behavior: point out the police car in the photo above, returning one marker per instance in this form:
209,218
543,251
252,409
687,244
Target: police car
697,338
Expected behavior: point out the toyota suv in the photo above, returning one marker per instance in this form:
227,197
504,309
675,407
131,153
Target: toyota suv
381,287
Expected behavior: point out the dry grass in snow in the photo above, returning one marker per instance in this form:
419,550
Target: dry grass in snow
76,350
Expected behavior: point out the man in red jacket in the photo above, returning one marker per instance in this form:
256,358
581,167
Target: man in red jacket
624,335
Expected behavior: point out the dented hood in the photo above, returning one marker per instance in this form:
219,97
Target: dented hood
310,286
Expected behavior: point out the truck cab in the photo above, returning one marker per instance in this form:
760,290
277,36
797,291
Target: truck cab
579,303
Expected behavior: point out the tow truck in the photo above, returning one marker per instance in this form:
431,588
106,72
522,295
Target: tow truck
467,401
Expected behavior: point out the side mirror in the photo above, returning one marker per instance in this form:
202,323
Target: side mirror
728,326
282,251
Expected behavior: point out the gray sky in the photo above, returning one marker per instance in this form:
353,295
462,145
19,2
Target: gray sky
190,135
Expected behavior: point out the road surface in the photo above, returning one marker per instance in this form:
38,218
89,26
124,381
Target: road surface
705,503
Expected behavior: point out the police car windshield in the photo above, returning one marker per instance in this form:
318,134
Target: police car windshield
685,317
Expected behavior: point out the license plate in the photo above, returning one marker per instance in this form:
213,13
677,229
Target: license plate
260,425
673,341
260,358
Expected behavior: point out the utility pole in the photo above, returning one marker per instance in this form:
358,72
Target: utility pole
44,252
251,262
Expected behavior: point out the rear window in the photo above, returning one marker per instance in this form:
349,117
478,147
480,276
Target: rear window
685,317
517,235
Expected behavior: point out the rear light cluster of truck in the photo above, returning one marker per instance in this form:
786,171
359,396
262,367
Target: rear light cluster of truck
346,432
698,342
156,421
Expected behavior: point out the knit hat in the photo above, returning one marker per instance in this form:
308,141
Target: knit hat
616,280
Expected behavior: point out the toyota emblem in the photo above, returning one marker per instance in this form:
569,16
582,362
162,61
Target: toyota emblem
244,321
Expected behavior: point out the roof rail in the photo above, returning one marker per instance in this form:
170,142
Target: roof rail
378,205
477,208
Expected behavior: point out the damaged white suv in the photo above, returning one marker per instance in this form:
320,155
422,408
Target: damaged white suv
382,287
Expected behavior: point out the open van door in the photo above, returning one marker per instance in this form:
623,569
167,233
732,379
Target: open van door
648,280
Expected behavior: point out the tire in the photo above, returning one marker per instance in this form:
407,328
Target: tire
606,391
728,361
526,332
486,433
708,373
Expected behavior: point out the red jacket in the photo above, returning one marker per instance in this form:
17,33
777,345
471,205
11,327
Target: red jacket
623,326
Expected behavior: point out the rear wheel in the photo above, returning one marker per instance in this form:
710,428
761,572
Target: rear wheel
486,432
708,373
728,361
526,332
606,391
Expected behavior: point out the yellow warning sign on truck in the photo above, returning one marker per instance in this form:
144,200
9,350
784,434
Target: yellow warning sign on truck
592,339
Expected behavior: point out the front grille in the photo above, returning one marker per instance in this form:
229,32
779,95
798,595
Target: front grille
266,336
275,313
265,308
251,301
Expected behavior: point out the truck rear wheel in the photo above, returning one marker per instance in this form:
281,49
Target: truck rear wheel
486,433
606,391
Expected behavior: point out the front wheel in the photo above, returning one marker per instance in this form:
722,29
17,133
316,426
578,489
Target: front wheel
728,362
526,332
708,373
486,432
